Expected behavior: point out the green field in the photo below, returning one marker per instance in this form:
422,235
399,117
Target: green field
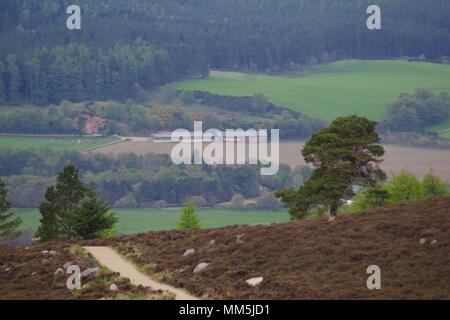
337,89
143,220
75,143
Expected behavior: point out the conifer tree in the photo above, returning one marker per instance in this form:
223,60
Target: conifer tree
8,227
189,218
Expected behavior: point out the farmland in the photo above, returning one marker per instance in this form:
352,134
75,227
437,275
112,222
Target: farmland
351,86
133,221
75,143
417,160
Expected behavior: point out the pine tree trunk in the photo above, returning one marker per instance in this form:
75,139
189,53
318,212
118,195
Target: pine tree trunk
333,209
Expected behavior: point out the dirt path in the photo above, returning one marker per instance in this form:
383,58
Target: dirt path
114,262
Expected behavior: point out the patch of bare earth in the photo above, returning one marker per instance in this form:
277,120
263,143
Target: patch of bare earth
308,259
417,160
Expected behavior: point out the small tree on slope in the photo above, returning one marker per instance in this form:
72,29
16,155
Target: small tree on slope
188,217
93,219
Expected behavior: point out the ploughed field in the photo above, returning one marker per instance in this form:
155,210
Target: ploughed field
417,160
313,259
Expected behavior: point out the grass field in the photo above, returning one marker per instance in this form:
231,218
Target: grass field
133,221
75,143
337,89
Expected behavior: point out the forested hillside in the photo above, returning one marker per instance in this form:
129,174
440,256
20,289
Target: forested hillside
127,45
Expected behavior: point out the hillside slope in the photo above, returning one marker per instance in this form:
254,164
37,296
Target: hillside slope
308,259
352,86
39,272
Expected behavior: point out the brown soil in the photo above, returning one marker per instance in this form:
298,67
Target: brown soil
92,123
417,160
29,274
313,259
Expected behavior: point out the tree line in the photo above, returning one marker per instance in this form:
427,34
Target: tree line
131,181
404,187
77,72
414,112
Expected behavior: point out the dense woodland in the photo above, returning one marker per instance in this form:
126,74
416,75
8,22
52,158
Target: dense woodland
131,181
125,46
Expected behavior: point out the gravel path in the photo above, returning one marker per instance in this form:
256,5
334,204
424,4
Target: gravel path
114,262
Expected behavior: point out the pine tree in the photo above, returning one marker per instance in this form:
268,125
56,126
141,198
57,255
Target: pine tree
188,217
48,229
93,219
346,153
60,203
8,227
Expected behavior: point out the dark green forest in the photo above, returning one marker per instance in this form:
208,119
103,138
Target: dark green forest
126,46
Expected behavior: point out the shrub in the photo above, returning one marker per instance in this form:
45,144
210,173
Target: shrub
199,201
268,202
404,187
237,200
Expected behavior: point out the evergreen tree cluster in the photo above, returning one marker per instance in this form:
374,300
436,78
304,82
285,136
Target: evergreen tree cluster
72,210
145,43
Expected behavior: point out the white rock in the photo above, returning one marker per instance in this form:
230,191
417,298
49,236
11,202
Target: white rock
34,273
7,269
331,219
423,241
60,270
200,267
95,271
44,252
212,242
254,282
52,252
188,252
238,237
433,242
113,287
